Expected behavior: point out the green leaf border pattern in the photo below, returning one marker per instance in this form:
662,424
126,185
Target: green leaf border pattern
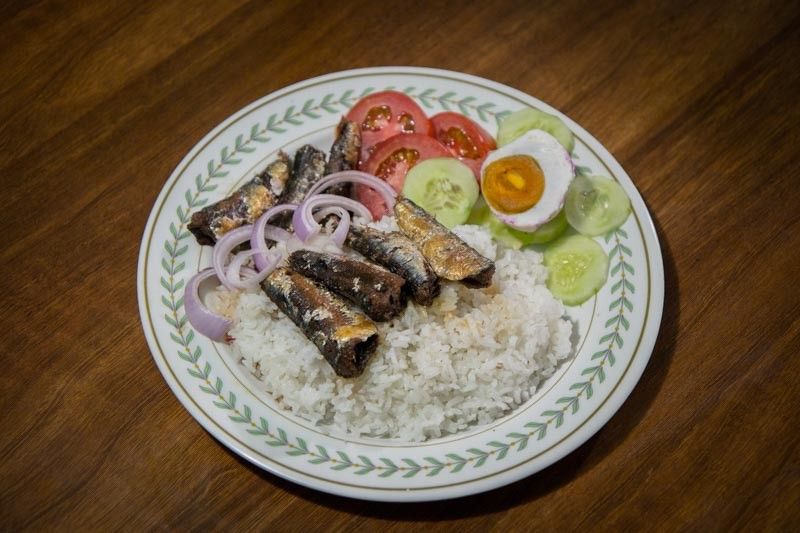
172,265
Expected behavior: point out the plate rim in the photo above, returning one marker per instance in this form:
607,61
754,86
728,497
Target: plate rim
611,404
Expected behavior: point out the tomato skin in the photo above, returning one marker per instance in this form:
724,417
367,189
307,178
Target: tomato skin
391,161
385,114
465,139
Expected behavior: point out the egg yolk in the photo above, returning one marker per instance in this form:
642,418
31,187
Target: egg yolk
513,184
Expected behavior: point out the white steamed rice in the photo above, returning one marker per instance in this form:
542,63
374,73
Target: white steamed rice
468,359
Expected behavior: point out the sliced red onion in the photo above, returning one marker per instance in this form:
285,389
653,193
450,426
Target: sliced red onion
303,220
236,268
275,233
388,194
342,227
207,323
340,233
262,258
354,206
261,233
330,210
248,271
224,247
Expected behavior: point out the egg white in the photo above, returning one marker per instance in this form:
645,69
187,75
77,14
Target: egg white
558,170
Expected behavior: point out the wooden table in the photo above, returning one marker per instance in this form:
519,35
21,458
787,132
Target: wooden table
698,102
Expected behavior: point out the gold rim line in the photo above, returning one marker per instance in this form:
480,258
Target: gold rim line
206,414
264,103
234,120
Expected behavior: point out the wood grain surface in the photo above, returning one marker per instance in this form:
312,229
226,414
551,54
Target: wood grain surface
697,100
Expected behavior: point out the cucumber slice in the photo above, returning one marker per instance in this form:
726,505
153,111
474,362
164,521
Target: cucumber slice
596,205
548,231
517,123
577,268
444,187
514,238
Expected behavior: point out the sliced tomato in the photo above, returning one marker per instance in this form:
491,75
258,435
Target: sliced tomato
385,114
464,138
391,160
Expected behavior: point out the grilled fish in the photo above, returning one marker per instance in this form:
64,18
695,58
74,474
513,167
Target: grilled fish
307,169
397,253
345,336
243,206
344,153
450,257
277,173
377,291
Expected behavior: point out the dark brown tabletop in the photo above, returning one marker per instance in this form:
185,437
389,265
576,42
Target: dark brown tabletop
99,101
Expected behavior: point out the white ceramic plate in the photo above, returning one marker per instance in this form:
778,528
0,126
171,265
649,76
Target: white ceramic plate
617,328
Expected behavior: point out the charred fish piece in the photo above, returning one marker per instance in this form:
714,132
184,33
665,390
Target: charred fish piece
377,291
277,173
344,153
345,336
450,257
307,169
242,207
397,253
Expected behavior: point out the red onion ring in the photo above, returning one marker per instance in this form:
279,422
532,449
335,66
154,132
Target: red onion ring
237,276
275,233
388,194
236,267
224,247
304,224
205,322
259,235
340,233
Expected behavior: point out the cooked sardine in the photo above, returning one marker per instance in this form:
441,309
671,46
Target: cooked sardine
377,291
243,206
345,336
397,253
277,173
308,168
344,153
450,257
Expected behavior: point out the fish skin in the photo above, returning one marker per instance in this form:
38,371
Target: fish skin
242,207
343,156
344,153
398,254
450,257
307,169
345,336
277,173
376,290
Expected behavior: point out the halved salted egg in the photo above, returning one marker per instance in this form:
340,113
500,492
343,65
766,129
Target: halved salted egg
525,182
